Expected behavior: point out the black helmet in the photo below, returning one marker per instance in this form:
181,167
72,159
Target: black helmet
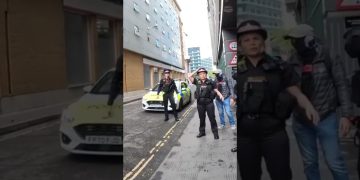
250,26
166,71
201,70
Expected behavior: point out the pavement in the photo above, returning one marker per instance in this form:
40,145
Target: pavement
200,158
206,158
11,122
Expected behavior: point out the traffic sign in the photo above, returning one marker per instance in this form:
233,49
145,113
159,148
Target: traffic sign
233,45
347,4
233,61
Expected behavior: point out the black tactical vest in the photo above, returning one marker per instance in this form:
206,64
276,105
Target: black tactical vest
204,91
167,85
259,89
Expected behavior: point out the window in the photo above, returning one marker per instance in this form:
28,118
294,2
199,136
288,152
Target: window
156,11
163,32
136,8
148,18
161,5
164,48
157,43
136,30
147,2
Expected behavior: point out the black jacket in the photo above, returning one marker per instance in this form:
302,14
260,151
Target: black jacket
116,84
172,87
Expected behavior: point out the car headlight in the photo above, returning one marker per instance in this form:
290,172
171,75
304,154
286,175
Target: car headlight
67,116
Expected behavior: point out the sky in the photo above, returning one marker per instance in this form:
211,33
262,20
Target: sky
196,25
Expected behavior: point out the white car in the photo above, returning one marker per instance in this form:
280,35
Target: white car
86,126
152,102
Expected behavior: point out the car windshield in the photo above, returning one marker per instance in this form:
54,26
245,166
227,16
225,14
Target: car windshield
155,88
104,85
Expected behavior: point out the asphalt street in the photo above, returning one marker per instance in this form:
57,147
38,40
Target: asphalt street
35,154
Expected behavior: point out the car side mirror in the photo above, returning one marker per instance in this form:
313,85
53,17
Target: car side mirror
87,89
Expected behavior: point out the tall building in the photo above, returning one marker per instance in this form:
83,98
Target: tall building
222,22
207,63
267,13
152,42
195,58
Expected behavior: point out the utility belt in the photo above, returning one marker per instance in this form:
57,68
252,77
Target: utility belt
259,124
168,92
204,101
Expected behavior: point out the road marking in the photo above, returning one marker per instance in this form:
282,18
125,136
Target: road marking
142,167
134,173
157,144
152,150
133,170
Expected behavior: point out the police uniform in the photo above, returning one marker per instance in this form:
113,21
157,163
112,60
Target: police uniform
205,95
260,121
168,86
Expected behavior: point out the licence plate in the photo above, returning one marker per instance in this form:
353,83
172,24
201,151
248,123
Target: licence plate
103,140
156,105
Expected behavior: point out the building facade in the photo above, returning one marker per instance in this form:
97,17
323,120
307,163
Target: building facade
152,42
62,46
207,63
222,21
267,13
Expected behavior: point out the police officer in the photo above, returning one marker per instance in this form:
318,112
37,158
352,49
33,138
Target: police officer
352,47
261,79
205,94
168,86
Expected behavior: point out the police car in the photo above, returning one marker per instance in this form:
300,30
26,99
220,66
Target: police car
87,128
152,102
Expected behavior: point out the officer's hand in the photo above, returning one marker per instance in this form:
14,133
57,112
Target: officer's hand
345,125
232,102
312,114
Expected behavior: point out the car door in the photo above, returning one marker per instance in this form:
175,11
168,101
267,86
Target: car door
186,91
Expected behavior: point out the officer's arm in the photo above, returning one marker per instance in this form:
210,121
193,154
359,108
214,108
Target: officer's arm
191,76
174,86
216,90
291,81
160,87
115,84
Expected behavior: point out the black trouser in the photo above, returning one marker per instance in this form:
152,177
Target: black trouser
208,107
169,97
275,150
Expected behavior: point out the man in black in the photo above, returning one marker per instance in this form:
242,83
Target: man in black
205,94
261,79
168,86
352,47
